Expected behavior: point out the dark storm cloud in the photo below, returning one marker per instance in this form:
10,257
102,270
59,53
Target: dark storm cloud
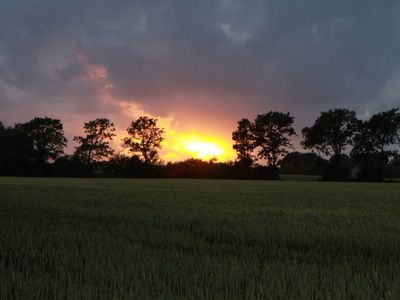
302,56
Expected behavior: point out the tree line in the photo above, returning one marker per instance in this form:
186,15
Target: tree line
346,146
341,147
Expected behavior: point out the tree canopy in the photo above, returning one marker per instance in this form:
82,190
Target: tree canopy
96,144
145,139
272,133
47,136
374,141
243,142
331,133
16,152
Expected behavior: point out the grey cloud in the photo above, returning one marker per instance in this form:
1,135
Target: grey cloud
302,56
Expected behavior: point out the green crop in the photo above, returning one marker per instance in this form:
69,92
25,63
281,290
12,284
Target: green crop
198,239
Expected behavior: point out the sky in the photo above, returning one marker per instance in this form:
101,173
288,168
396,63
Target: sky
197,66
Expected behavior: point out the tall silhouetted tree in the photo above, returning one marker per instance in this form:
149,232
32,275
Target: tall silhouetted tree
271,134
47,136
374,143
16,152
392,169
243,142
145,138
95,145
331,133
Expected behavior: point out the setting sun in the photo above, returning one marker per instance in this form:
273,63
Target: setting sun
204,149
186,145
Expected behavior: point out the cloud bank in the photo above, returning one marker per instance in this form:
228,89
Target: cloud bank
196,65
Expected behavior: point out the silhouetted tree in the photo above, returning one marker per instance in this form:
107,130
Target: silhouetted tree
16,152
271,134
243,142
2,128
331,133
392,169
47,136
95,145
145,138
373,141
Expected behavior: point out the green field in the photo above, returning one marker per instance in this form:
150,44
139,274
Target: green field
198,239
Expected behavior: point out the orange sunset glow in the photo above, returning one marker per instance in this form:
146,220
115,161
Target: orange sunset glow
178,146
202,147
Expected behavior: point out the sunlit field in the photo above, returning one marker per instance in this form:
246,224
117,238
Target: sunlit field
198,239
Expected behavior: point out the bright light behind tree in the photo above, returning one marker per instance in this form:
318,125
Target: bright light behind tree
202,147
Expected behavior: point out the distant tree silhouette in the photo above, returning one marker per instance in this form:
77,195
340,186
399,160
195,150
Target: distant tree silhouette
95,145
36,148
145,138
16,152
373,144
271,134
392,169
47,137
331,133
243,142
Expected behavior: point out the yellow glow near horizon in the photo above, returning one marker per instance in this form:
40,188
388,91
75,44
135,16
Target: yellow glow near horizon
199,146
179,146
203,149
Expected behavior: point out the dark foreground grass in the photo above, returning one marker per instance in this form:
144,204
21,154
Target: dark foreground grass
188,239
